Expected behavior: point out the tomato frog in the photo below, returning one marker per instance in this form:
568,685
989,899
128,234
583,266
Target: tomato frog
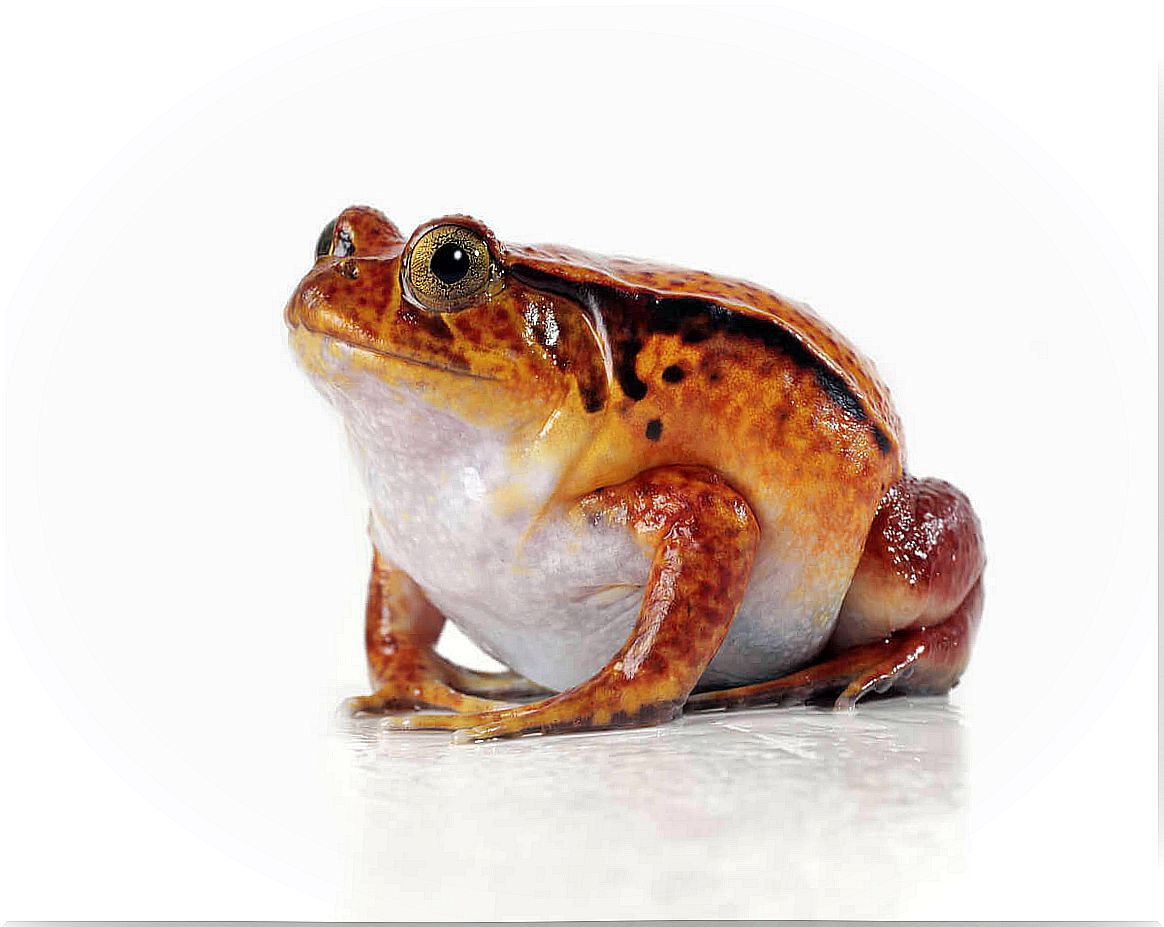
642,489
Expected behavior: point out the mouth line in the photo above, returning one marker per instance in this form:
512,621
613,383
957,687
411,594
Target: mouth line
414,361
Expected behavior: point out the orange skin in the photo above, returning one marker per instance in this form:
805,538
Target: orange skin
701,414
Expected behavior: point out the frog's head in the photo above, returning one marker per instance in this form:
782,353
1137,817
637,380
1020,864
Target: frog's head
440,316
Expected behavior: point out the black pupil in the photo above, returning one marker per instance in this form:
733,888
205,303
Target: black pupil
449,263
323,246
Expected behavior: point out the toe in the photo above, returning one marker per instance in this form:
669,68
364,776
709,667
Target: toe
498,685
426,721
427,695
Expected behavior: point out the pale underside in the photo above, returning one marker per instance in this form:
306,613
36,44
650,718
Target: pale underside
549,594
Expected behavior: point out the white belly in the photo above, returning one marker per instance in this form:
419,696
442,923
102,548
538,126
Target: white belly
552,597
557,600
558,614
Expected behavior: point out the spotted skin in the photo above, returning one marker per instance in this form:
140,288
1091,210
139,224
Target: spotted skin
734,297
626,392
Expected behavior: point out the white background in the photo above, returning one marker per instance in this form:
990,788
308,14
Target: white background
966,190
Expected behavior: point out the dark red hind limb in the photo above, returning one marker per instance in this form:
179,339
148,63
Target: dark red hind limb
911,613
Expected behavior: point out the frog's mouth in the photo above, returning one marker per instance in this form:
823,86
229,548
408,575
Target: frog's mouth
310,320
417,362
310,344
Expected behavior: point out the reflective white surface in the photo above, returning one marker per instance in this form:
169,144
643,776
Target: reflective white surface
801,812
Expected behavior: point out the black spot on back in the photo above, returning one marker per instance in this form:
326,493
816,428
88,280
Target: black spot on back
654,429
593,395
673,374
624,369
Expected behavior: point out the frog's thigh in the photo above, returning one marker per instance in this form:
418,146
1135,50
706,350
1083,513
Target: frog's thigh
401,629
704,539
909,618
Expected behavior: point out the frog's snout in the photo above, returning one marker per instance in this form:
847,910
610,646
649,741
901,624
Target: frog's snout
359,231
354,282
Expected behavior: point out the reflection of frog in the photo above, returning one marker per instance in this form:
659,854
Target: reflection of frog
626,482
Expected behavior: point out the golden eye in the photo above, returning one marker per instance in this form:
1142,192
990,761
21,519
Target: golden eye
448,268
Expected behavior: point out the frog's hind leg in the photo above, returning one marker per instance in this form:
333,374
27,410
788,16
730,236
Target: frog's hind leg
909,618
923,661
401,629
704,539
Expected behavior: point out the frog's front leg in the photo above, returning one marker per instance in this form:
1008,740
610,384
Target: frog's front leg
908,621
704,539
401,629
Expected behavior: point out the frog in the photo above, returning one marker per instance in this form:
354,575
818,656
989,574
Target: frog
644,490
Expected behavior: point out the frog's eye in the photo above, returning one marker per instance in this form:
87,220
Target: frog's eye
329,244
448,268
323,246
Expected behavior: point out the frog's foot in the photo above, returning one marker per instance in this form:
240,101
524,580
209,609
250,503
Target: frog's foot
921,661
429,694
705,539
401,629
503,685
580,709
416,677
